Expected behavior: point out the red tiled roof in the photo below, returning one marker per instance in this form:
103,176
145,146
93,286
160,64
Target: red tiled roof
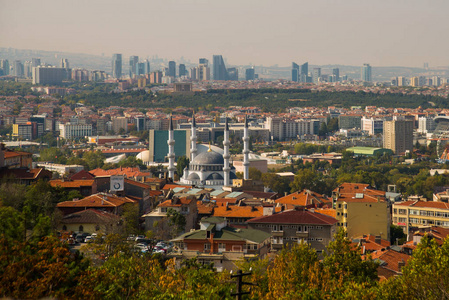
204,208
172,186
176,202
127,172
83,174
430,204
97,200
71,184
296,217
391,259
90,216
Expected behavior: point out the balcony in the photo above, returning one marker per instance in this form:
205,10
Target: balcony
302,235
277,233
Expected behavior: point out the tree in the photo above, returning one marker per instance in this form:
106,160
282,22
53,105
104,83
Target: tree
182,162
305,179
11,224
397,235
131,218
177,221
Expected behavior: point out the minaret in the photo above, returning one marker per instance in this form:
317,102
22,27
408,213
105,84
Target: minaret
193,138
171,150
246,150
226,155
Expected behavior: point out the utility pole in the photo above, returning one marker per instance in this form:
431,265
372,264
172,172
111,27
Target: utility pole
240,283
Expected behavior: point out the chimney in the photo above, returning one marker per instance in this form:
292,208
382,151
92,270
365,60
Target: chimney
227,206
401,264
378,239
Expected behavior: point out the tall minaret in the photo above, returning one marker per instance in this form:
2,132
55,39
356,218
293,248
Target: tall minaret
171,150
226,155
246,150
193,138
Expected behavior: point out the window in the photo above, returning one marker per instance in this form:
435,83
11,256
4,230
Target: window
206,246
339,205
185,209
81,228
64,228
319,227
221,247
402,211
163,209
299,229
319,239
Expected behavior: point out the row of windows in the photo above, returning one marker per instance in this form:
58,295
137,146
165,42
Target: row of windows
429,222
299,228
427,213
342,214
340,205
345,224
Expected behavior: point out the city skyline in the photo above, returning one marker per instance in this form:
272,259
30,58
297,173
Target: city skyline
261,33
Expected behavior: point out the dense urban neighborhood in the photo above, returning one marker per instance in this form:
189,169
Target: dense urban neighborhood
157,185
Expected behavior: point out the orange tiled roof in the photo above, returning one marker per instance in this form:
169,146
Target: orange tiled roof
97,200
238,211
353,188
172,186
391,258
304,198
127,172
204,208
430,204
71,184
327,211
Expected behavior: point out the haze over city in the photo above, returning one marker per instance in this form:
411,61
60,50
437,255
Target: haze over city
350,32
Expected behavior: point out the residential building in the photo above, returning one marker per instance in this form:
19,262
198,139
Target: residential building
398,136
295,226
73,131
372,126
64,63
101,201
91,221
156,220
85,187
316,75
420,214
362,210
426,124
218,244
17,68
349,121
119,124
4,67
182,70
304,198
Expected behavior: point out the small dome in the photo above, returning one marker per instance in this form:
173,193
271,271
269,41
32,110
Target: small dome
214,176
193,176
232,175
208,158
144,156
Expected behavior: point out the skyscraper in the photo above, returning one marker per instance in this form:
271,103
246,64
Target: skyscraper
295,72
17,68
203,61
64,63
304,73
35,62
316,74
366,73
4,66
116,65
220,72
233,74
182,70
336,73
172,68
250,74
133,61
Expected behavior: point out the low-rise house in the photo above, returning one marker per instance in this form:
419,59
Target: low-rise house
290,227
215,242
85,187
370,243
91,221
390,262
238,215
101,201
25,176
186,206
305,198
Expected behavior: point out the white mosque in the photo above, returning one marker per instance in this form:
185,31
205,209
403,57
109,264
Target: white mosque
209,169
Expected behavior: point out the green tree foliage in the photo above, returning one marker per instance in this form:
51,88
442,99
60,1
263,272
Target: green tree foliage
182,162
277,183
177,221
11,224
131,218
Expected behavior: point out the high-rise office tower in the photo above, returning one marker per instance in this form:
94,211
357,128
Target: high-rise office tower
4,67
436,81
398,135
182,70
366,73
220,72
304,73
336,73
172,68
133,61
35,62
295,72
414,81
233,74
250,74
64,63
143,68
203,61
194,73
17,68
116,65
316,74
27,67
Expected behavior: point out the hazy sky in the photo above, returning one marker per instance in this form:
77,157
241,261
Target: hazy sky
268,32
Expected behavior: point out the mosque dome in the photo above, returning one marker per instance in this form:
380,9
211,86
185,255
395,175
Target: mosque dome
214,176
208,158
144,156
193,176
